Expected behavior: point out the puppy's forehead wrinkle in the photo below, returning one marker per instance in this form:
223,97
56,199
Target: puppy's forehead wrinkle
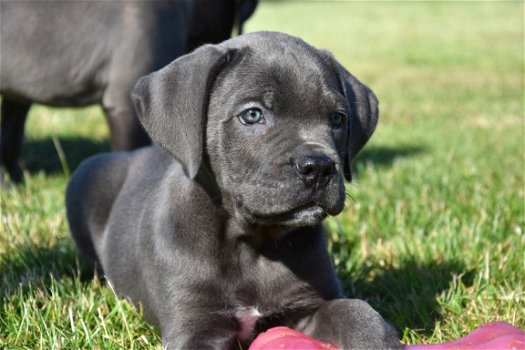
269,99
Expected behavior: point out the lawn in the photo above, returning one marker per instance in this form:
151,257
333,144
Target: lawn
433,235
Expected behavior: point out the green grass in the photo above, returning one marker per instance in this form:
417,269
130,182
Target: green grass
434,235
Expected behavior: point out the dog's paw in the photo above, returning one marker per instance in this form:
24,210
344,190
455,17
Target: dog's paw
351,324
362,327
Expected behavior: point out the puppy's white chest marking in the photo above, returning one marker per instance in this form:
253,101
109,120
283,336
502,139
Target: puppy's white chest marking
247,318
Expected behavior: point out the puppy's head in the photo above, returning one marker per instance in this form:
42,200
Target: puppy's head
278,120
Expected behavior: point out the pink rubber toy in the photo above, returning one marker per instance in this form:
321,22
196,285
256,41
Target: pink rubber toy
285,338
493,336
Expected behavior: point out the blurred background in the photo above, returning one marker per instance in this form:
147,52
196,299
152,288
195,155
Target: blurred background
433,234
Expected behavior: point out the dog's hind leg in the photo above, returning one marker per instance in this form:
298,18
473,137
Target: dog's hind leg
89,199
14,115
126,131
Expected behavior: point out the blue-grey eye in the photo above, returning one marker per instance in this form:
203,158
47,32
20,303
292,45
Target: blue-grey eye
251,116
337,119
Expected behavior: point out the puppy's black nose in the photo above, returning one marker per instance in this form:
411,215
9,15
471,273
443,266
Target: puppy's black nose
315,169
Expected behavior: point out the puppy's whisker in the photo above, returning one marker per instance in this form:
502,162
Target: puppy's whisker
353,184
216,197
349,198
286,238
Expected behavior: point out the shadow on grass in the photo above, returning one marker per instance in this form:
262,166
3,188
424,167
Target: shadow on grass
42,155
384,156
406,295
31,267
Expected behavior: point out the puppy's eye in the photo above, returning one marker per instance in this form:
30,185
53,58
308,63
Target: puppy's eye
337,119
251,116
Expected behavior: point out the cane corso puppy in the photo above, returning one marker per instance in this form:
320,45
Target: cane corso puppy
216,230
76,53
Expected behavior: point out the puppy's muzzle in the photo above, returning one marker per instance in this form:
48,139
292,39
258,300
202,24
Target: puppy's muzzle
316,170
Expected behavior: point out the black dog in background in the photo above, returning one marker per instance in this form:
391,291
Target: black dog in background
76,53
218,234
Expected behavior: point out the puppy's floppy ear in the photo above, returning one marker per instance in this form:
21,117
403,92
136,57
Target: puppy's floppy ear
363,119
172,103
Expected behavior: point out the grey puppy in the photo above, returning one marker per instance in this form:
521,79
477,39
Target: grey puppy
217,233
76,53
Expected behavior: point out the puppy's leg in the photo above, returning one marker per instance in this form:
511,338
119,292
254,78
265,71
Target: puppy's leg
126,132
89,198
204,341
217,335
350,324
14,115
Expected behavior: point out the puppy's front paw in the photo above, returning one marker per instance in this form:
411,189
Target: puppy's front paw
351,324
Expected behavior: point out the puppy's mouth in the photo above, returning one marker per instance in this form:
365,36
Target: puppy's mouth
304,215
